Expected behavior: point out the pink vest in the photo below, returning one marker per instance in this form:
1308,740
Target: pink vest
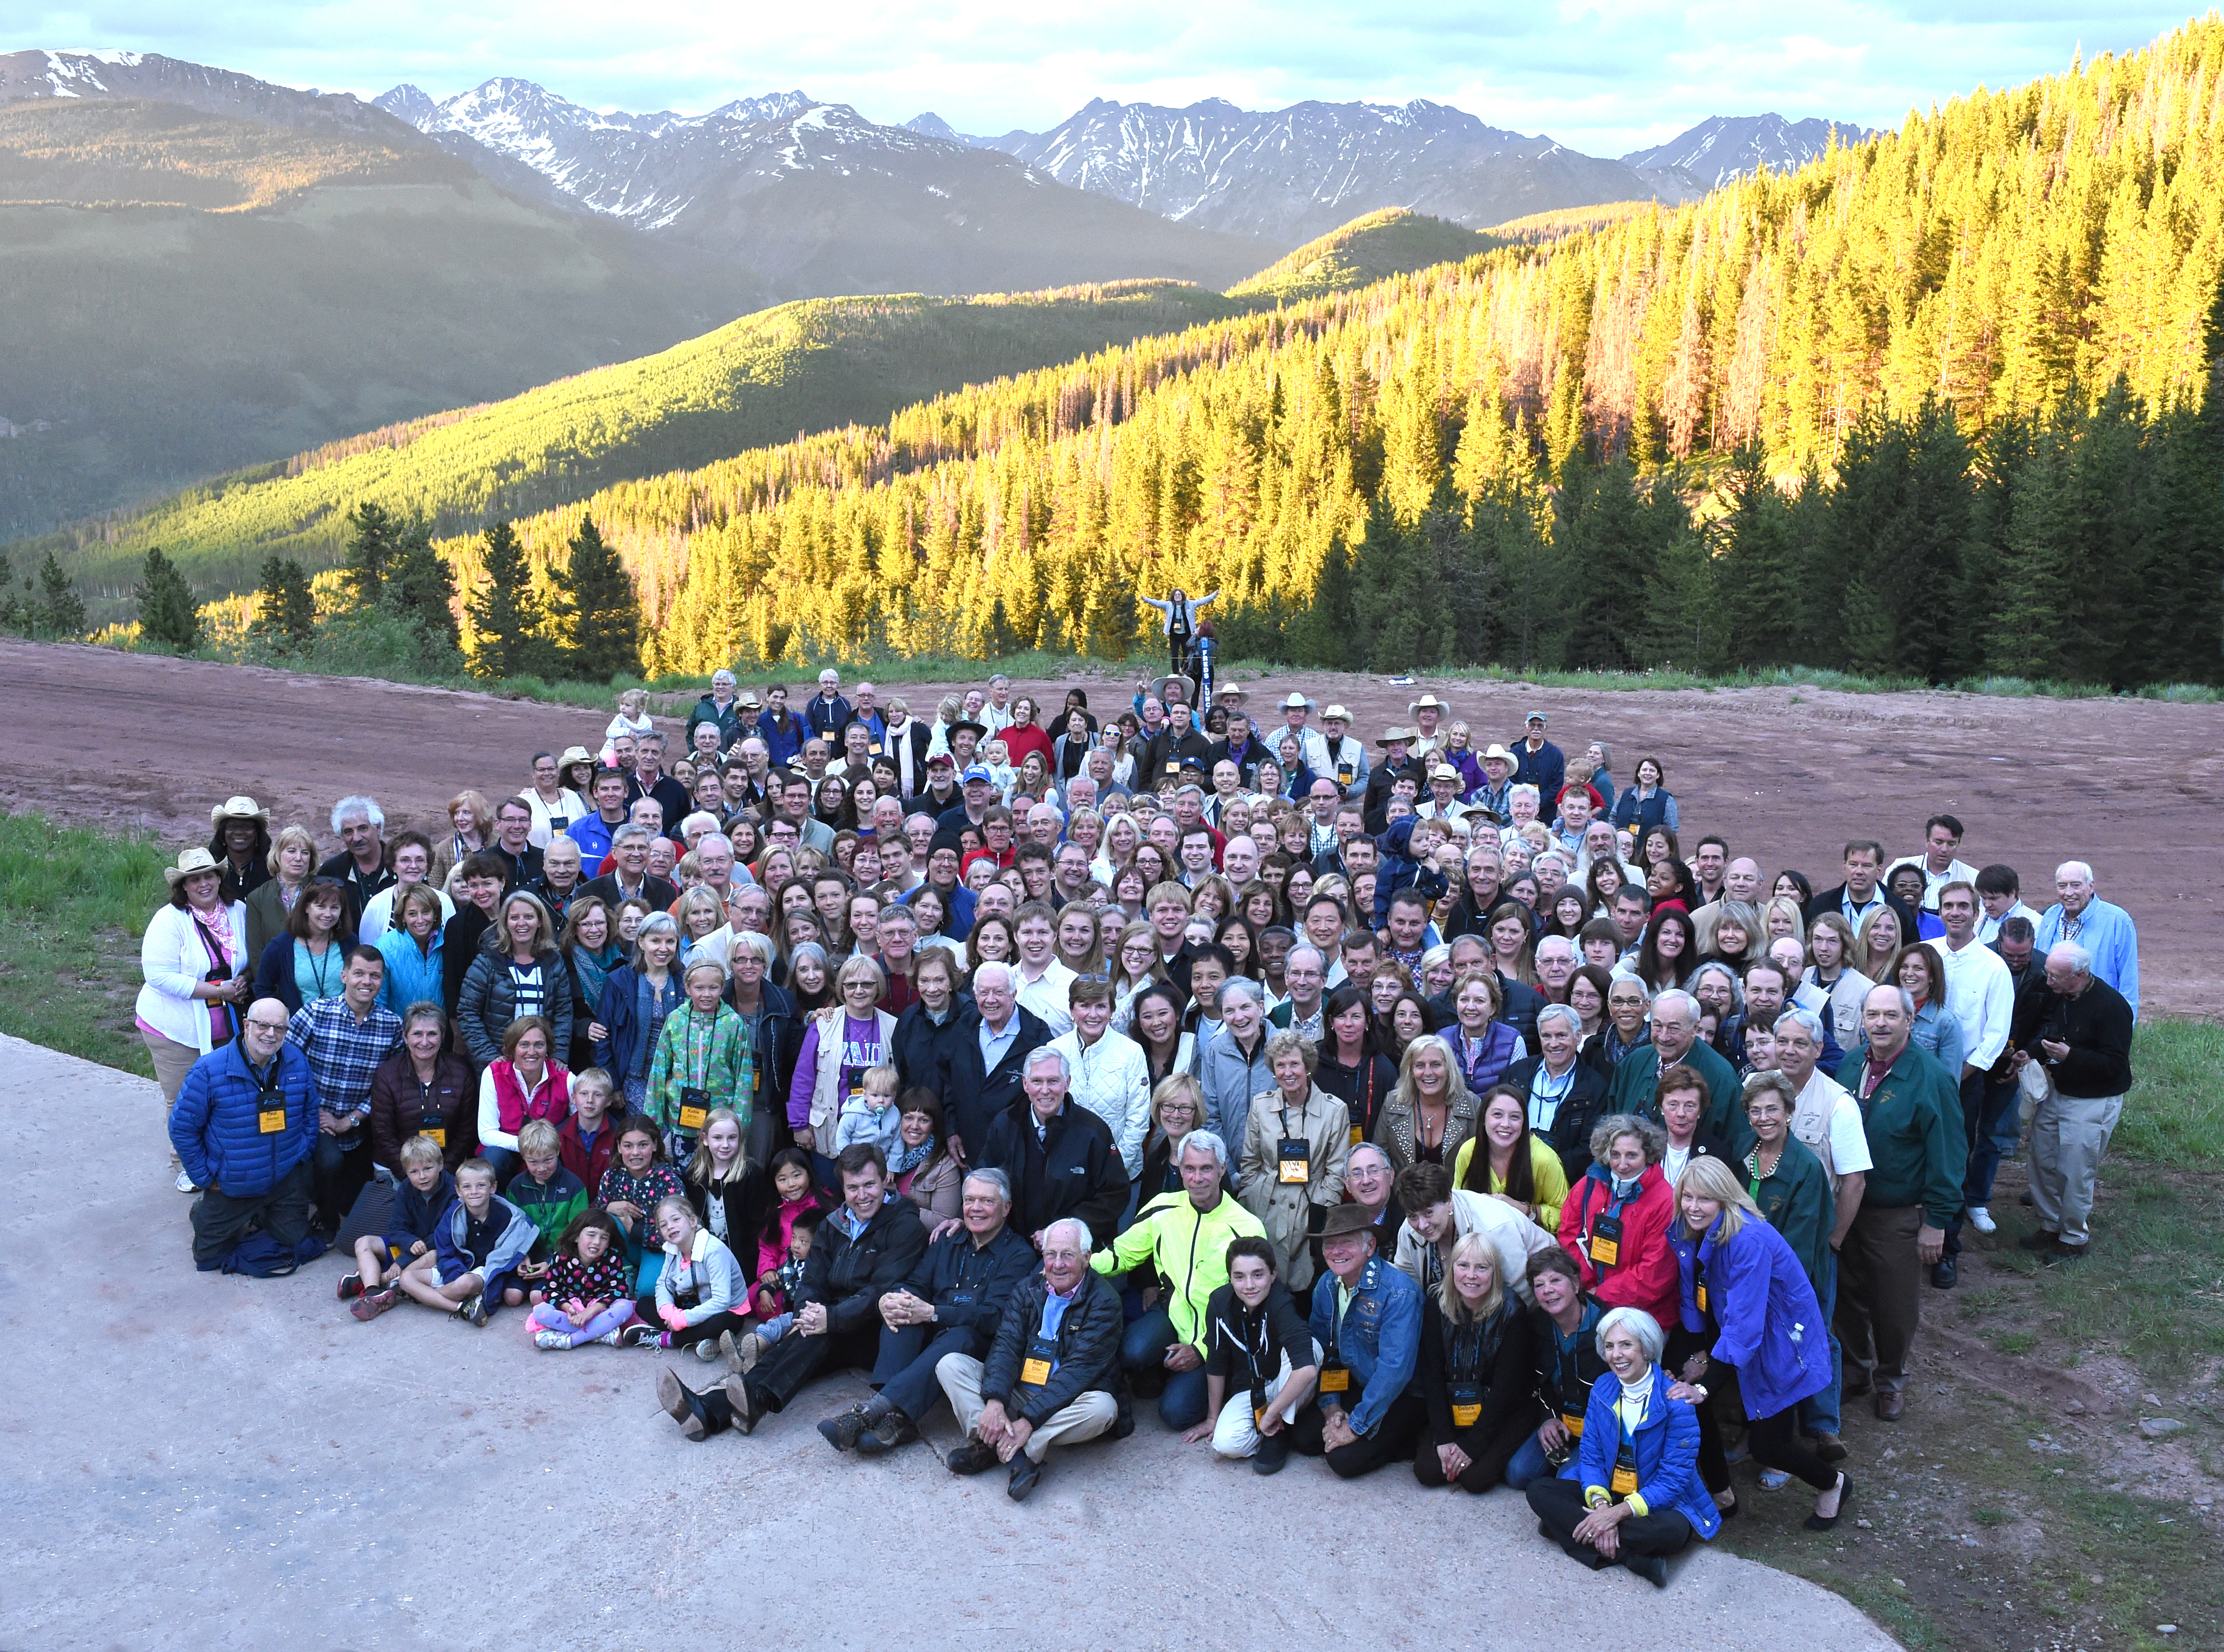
551,1101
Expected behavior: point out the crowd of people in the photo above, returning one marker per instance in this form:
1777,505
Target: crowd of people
1371,1103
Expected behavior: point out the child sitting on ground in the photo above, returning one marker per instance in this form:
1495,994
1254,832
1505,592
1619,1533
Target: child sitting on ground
629,1191
871,1115
477,1249
551,1197
791,1182
778,1289
586,1300
419,1201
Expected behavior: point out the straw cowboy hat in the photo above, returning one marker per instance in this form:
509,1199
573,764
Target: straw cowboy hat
574,754
1188,688
1336,714
191,863
1428,702
1397,734
239,808
1500,755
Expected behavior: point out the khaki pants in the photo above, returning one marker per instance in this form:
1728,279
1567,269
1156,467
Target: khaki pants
2069,1135
173,1061
1881,1293
1091,1412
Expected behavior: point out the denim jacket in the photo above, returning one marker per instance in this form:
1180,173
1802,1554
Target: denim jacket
1380,1339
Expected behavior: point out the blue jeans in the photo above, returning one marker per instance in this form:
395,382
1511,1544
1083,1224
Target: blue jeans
507,1163
905,1371
1143,1348
1822,1411
1528,1464
1998,1126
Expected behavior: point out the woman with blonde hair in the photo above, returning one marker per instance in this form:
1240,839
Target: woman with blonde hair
293,862
703,931
471,827
517,972
1475,1372
1431,1111
1742,1284
1177,1108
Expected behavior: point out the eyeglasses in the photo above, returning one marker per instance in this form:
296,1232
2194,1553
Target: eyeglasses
267,1026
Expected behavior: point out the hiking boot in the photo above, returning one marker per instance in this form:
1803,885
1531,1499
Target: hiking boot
974,1457
840,1432
886,1432
472,1310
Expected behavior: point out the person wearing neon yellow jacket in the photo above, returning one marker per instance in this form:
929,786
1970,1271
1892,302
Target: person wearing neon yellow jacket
1185,1236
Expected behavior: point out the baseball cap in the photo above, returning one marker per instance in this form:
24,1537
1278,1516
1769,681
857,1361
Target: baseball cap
978,771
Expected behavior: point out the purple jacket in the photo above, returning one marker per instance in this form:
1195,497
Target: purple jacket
1772,1326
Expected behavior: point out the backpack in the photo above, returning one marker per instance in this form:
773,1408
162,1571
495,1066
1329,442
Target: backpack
261,1256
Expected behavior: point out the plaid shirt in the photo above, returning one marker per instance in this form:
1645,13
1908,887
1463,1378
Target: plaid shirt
343,1051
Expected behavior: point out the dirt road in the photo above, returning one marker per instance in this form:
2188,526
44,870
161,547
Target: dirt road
2136,787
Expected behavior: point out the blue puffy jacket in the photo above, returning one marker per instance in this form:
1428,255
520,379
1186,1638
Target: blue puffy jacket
217,1125
1666,1446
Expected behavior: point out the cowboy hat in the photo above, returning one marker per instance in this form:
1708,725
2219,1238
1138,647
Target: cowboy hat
1188,688
1297,702
1443,772
1336,714
190,864
1500,755
1231,692
240,808
1397,734
979,730
574,754
1348,1219
1428,702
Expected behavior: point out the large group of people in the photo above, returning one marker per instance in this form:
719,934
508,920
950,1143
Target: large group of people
1375,1102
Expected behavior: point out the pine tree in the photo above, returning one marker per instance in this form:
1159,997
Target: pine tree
285,609
506,617
60,608
596,608
369,548
167,614
419,587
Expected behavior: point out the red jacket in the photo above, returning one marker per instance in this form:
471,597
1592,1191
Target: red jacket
1644,1275
1019,739
588,1163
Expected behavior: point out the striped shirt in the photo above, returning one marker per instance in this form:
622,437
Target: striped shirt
343,1051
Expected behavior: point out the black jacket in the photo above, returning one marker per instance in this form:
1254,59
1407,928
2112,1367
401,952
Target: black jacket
1362,1089
1833,900
851,1276
2096,1024
971,1096
1497,1352
748,1202
1585,1104
342,869
970,1284
768,1034
658,892
919,1048
1087,1350
1565,1387
728,720
1073,1169
1380,780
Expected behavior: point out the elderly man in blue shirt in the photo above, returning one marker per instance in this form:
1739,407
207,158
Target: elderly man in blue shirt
2104,930
1366,1317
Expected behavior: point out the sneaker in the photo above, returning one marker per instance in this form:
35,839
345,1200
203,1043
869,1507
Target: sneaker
350,1286
1274,1454
473,1310
1982,1220
552,1339
706,1350
1774,1479
974,1457
368,1306
637,1334
185,1183
841,1432
613,1338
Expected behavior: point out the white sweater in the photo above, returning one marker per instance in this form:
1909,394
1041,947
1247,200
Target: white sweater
174,960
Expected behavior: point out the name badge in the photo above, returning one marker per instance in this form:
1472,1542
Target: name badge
1173,768
1335,1379
1358,1134
1293,1162
1606,1241
694,1107
1343,773
1466,1416
1572,1424
1702,1298
439,1135
271,1121
1034,1372
1625,1480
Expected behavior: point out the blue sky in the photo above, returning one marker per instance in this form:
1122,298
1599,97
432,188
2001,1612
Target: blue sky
1603,78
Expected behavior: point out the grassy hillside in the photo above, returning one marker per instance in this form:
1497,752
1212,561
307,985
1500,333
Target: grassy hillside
1539,228
1391,242
186,293
810,365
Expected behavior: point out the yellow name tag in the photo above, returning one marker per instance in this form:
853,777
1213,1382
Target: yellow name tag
1334,1381
1293,1172
1572,1424
1259,1416
1034,1372
1625,1480
439,1138
1605,1251
1358,1134
692,1117
1702,1299
271,1121
1466,1416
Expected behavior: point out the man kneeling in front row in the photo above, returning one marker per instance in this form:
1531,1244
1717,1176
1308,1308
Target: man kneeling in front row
1053,1377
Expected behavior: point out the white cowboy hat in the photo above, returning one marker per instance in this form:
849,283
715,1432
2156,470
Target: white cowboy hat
239,808
1336,714
1500,755
1428,702
191,863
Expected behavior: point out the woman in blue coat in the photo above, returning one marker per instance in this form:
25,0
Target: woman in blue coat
1739,1275
1632,1492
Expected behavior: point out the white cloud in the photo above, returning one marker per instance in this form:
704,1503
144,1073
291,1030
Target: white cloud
1603,78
